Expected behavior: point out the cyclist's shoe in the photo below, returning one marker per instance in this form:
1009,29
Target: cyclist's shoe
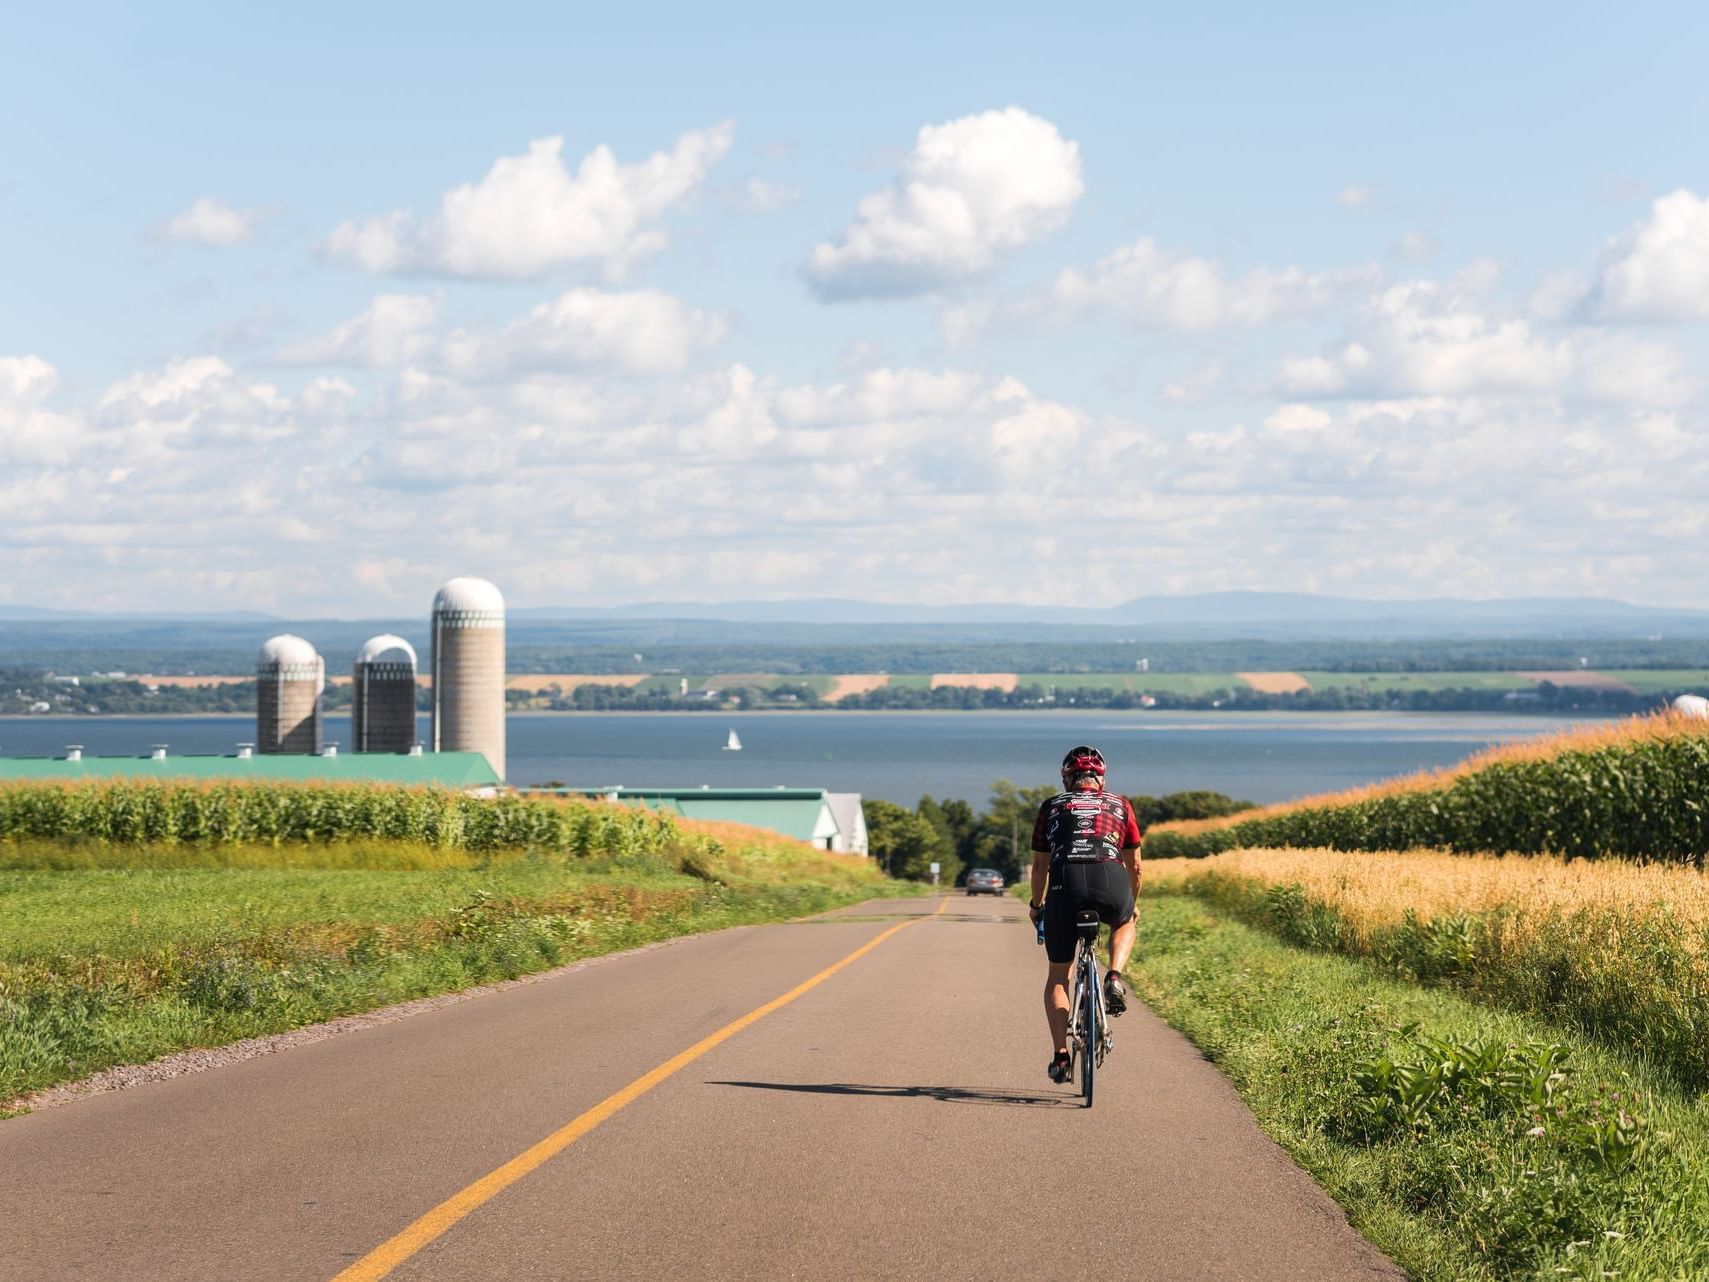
1061,1068
1115,993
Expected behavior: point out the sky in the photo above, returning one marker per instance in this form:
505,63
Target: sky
306,311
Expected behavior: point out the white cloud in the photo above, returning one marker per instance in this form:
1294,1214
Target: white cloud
26,380
1659,271
1144,286
530,215
394,330
1354,196
759,196
1413,247
971,190
199,484
1430,338
640,332
210,221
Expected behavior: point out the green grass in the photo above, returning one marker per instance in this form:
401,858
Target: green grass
1183,683
1408,681
105,966
1465,1142
1633,978
1662,680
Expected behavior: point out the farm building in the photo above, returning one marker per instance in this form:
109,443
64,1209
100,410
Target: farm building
807,814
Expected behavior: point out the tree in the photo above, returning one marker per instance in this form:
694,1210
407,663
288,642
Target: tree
1196,804
906,845
955,822
1004,837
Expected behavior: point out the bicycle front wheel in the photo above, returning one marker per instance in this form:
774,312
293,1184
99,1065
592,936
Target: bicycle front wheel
1094,1031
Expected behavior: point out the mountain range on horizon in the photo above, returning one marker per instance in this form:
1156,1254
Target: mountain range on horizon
1294,611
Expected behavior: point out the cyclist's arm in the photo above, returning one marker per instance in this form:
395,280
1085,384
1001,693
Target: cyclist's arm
1041,875
1130,845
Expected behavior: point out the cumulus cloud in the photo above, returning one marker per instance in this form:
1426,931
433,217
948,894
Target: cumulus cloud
394,330
530,215
1432,338
1144,286
1354,196
640,332
186,481
210,221
1659,270
971,190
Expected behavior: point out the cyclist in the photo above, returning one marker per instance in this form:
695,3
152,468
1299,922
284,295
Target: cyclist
1086,847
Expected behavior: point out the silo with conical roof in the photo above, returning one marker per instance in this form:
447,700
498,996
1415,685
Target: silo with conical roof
382,695
289,678
468,670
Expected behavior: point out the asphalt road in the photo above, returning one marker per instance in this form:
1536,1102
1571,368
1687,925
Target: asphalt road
893,1121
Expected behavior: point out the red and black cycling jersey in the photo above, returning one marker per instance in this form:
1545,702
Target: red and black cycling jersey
1082,827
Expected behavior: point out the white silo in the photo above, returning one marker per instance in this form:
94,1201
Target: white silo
468,670
289,678
382,695
1692,705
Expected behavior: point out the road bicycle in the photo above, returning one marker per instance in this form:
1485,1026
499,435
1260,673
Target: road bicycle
1089,1038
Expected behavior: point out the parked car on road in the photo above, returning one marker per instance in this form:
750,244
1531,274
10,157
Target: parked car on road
982,881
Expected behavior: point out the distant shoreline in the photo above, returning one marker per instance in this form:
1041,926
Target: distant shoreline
1521,712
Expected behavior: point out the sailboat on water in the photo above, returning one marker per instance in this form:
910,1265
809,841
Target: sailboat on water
732,744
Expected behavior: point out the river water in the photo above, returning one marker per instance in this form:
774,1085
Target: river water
1261,756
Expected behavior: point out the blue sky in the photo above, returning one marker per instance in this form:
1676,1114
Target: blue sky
915,303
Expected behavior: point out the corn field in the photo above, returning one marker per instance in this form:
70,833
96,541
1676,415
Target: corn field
166,813
1639,792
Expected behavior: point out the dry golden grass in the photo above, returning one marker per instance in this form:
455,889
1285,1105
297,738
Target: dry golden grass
1275,682
1590,737
978,680
1371,891
855,683
748,851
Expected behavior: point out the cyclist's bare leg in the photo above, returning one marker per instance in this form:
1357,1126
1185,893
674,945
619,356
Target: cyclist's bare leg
1056,1004
1121,944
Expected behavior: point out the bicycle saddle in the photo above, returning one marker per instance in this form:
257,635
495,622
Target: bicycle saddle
1086,923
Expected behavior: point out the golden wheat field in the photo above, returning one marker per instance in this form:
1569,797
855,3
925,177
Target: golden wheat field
1372,891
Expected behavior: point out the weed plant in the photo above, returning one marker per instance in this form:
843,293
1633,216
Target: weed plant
1466,1142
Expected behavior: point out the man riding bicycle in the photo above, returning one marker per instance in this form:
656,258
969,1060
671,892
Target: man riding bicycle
1086,846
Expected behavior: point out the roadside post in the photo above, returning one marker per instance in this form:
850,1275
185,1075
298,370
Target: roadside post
934,872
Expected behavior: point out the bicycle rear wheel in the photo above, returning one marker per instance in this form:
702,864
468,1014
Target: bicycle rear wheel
1093,1031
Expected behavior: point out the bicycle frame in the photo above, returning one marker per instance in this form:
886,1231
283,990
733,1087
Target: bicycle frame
1088,1021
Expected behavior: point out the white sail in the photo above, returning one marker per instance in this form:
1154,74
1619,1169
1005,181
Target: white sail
732,744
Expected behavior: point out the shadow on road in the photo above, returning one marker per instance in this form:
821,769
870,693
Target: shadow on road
944,1094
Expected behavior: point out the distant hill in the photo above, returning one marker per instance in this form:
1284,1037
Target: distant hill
1201,617
1293,614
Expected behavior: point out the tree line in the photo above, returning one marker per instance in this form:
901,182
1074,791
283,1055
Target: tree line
956,837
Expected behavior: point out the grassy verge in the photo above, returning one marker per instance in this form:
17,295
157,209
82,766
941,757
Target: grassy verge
106,966
1618,951
1466,1142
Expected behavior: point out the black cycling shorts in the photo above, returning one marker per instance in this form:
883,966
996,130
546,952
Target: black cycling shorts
1102,885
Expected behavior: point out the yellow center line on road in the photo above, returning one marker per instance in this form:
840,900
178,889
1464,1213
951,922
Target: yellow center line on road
395,1250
